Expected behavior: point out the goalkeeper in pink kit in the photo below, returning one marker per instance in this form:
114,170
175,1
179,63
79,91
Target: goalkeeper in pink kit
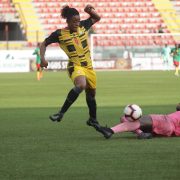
147,126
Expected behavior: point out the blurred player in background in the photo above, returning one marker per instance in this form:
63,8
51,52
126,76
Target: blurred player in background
74,41
175,52
147,126
38,62
166,50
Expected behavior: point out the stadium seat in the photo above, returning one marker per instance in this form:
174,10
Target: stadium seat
127,16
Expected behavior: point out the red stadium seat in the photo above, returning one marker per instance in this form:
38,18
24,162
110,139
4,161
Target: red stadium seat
127,16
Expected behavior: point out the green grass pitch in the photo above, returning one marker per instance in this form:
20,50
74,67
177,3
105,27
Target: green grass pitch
32,147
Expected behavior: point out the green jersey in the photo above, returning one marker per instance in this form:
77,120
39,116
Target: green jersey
176,54
37,53
166,51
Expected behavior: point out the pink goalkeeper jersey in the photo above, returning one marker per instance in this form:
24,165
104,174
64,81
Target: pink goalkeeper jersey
166,125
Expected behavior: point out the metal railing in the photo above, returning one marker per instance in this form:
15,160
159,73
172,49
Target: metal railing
22,18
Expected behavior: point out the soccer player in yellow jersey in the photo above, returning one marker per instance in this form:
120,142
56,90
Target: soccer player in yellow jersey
74,41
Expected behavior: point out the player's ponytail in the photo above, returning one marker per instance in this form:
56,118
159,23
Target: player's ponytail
68,12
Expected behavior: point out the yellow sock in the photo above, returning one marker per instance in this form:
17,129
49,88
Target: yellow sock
41,74
177,71
38,75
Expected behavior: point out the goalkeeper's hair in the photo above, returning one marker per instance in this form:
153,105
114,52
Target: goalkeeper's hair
67,12
178,107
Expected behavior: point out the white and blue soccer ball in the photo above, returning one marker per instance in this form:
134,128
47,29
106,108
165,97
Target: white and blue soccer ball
133,112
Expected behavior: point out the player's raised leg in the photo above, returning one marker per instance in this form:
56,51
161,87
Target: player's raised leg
80,85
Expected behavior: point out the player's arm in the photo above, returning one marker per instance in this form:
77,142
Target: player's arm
125,119
44,63
171,52
53,38
38,51
162,52
92,12
34,53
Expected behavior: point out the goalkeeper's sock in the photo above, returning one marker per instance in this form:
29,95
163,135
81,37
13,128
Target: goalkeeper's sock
71,97
126,126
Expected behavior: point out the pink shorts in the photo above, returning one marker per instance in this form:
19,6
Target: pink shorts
162,125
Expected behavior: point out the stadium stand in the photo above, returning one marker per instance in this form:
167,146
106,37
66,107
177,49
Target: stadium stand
168,13
118,17
6,7
33,28
125,17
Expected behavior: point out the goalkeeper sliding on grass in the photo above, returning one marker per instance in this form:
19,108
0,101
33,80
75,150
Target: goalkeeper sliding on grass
147,126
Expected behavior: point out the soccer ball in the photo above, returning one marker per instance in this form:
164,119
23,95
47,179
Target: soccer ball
133,112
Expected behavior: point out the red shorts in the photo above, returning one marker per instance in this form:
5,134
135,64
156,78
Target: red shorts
38,66
162,125
176,63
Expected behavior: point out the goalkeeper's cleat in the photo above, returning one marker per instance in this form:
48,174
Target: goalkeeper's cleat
144,136
92,122
107,132
56,117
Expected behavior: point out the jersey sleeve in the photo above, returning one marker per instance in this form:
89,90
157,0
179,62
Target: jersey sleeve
172,50
35,52
86,23
53,38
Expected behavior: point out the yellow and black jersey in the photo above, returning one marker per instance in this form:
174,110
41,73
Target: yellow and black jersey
74,44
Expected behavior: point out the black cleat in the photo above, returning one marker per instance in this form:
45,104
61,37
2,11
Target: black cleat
56,117
93,122
144,136
107,132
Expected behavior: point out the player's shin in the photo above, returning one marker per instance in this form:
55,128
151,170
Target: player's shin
38,75
71,97
177,71
91,102
41,73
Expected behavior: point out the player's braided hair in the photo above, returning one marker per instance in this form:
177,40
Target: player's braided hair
68,12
